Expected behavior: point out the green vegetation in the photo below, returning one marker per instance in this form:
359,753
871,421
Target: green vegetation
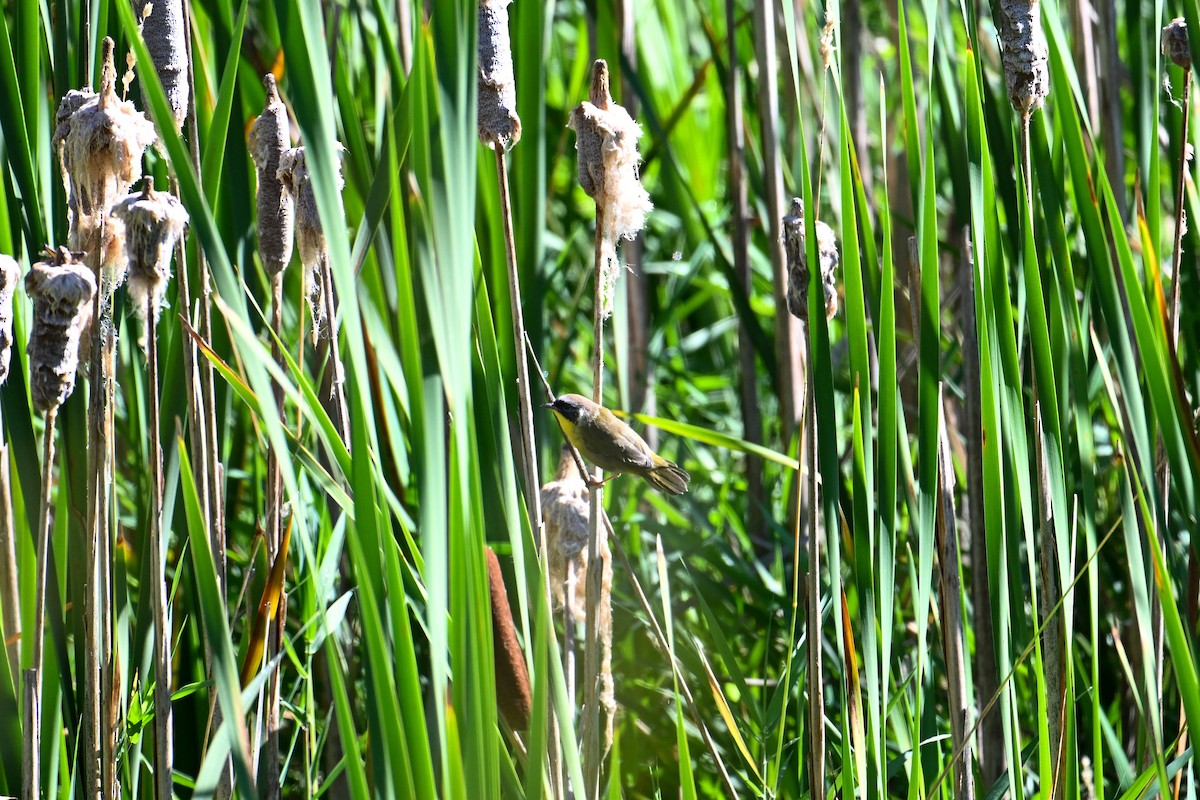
938,543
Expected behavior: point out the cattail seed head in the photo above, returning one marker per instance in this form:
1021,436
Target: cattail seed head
310,234
8,281
797,259
1023,46
61,289
606,143
100,141
270,137
153,223
1175,43
512,676
165,36
499,125
565,513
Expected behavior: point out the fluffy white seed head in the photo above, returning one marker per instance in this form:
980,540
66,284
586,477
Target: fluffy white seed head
794,245
61,289
153,223
270,138
499,125
9,273
606,140
100,141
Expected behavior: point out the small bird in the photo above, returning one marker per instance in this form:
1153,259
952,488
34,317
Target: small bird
612,445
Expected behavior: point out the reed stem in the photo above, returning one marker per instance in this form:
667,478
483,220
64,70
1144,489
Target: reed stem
591,661
163,745
270,756
529,455
33,694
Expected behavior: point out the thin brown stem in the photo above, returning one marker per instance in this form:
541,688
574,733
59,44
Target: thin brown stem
337,378
163,747
591,660
33,691
529,457
1173,320
270,757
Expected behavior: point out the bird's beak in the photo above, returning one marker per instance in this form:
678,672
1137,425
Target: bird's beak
547,405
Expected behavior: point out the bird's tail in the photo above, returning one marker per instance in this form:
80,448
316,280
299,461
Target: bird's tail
667,476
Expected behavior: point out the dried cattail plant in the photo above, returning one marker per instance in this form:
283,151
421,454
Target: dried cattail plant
606,142
310,235
1023,46
153,222
270,137
797,260
9,273
499,125
565,510
100,141
61,289
165,35
1175,44
512,677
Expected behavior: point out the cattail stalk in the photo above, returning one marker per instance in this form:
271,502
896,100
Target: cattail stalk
270,139
154,223
61,289
500,128
606,143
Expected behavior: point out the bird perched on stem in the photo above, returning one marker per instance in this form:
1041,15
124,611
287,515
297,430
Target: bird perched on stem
612,445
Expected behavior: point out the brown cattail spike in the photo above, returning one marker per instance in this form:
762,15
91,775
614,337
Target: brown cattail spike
100,141
270,137
797,258
499,125
512,677
8,281
1175,43
1023,45
61,289
153,222
310,234
606,140
165,36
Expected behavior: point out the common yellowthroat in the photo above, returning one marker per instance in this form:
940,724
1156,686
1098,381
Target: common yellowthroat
612,445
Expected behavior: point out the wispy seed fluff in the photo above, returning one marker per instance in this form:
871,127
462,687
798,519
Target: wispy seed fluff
1175,43
797,260
499,125
61,289
270,137
153,221
565,514
100,141
606,142
310,235
1023,46
8,281
166,39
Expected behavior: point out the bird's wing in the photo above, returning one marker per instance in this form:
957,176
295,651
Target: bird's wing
624,452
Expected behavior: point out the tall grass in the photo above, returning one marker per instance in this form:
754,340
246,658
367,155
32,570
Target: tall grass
1005,599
